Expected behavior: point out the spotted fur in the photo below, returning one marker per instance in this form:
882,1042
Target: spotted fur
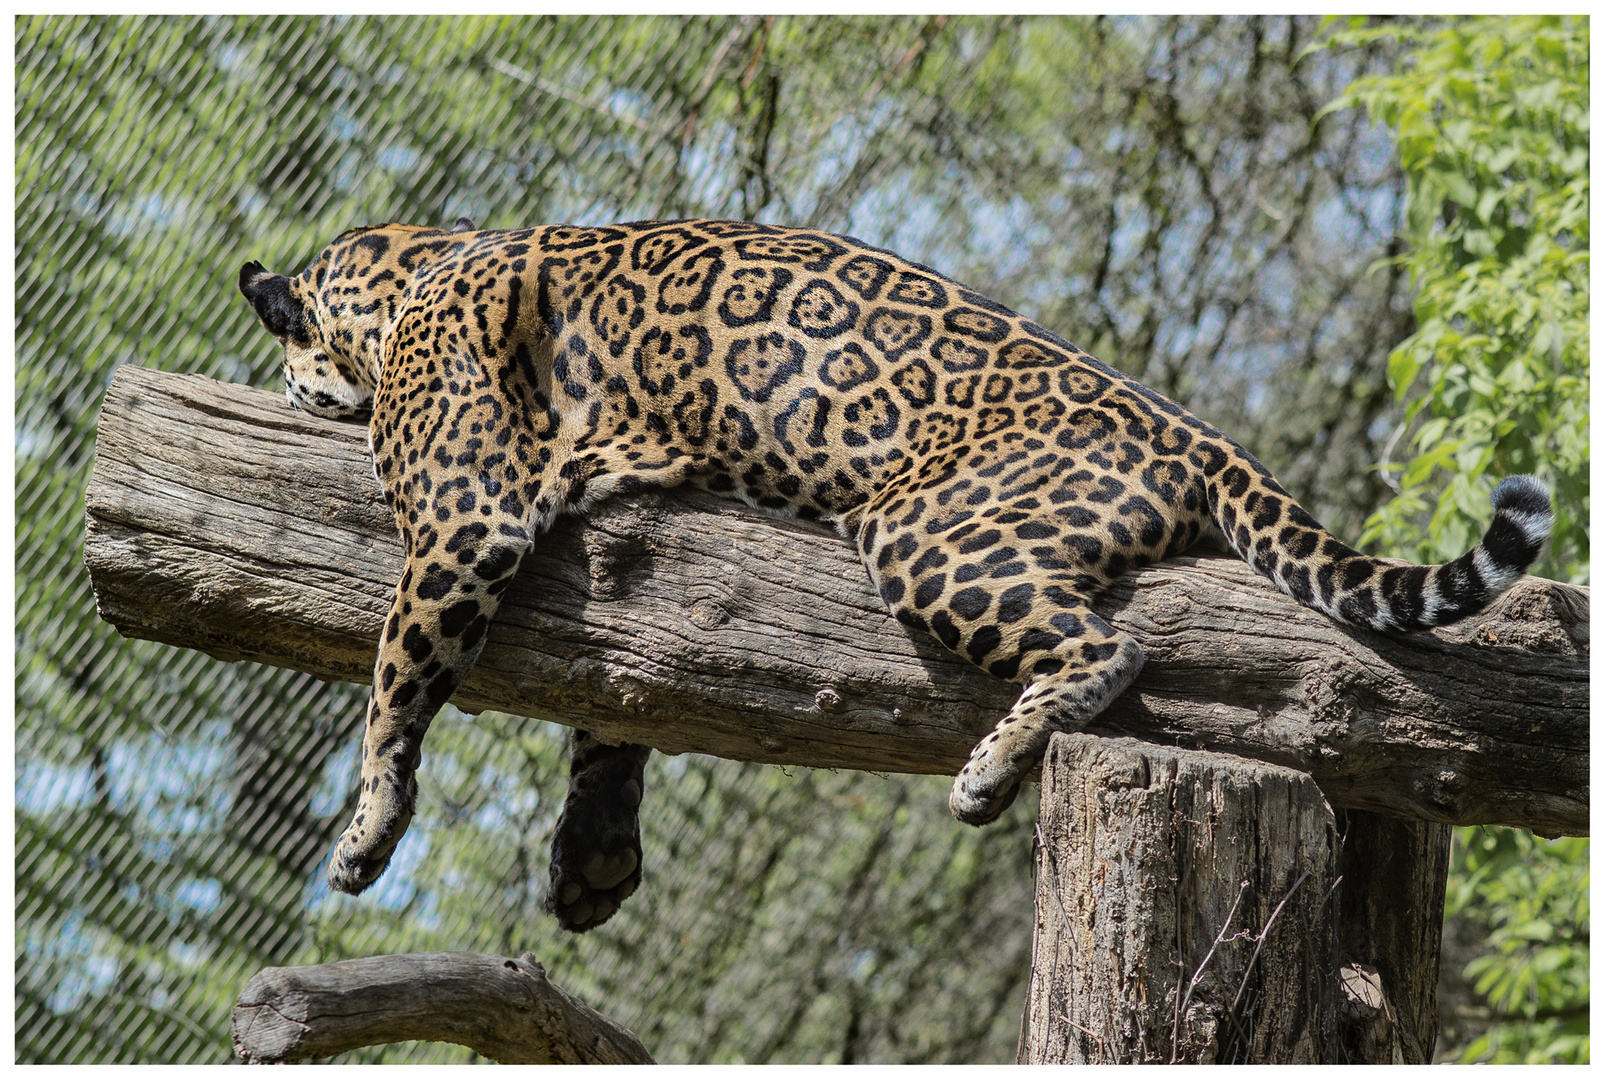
993,476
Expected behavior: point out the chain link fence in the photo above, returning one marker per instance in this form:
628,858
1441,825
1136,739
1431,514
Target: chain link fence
1160,190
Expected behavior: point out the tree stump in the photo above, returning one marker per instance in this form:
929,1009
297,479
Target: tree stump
1183,907
1195,907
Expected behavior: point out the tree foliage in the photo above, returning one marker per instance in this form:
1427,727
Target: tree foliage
1523,903
1490,120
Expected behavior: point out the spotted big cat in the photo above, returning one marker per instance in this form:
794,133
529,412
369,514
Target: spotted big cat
992,476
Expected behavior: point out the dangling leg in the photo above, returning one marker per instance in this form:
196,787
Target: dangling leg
436,630
464,530
596,846
1092,669
1011,604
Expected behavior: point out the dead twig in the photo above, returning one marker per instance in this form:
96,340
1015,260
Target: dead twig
1192,984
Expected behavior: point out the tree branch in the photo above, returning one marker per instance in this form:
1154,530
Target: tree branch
220,520
502,1008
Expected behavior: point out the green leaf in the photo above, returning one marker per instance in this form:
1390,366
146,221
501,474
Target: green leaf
1403,366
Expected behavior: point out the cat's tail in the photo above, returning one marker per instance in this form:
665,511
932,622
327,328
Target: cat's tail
1280,540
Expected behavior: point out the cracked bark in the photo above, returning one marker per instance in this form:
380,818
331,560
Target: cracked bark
1198,908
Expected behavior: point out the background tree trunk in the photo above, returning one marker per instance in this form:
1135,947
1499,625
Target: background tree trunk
218,519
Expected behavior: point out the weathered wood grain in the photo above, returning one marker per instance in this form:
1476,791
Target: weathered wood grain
220,520
505,1009
1200,908
1390,933
1182,910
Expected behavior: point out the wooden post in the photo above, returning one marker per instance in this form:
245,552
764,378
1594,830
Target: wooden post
1184,910
1195,907
1390,931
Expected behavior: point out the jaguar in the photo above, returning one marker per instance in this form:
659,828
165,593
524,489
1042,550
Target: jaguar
992,476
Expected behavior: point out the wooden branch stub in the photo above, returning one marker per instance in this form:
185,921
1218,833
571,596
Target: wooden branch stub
1363,1004
220,520
502,1008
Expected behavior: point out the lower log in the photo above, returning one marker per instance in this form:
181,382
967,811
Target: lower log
220,520
502,1008
1183,910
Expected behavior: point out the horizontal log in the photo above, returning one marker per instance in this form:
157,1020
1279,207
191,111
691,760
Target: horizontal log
502,1008
221,520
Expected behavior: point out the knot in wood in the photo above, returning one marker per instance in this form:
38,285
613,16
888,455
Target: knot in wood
1363,996
1328,696
1546,617
708,614
1443,787
527,964
612,560
631,691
